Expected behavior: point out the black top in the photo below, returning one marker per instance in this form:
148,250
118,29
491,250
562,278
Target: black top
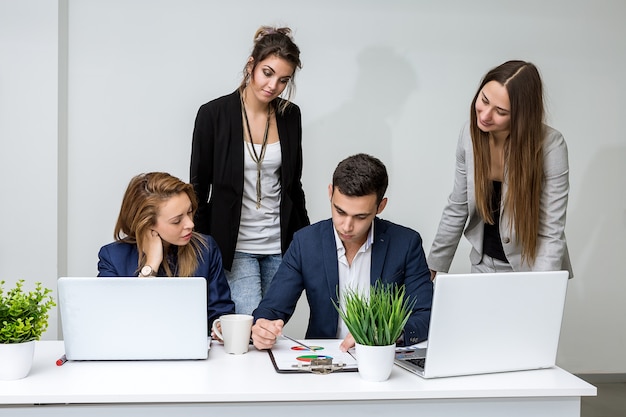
492,244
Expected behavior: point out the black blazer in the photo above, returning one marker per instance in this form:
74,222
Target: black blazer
216,172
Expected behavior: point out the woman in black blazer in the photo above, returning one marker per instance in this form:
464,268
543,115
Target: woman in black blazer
246,168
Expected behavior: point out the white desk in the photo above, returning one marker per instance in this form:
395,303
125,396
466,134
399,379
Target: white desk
247,384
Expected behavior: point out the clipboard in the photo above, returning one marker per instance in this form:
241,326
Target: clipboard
290,358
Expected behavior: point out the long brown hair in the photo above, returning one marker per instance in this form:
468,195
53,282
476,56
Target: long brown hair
274,41
139,211
523,154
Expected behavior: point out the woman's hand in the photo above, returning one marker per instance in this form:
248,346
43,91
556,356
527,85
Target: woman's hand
153,248
433,274
214,335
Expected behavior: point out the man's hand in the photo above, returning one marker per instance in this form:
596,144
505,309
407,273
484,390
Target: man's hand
347,343
265,332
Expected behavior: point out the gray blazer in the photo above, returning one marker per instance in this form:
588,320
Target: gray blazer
460,212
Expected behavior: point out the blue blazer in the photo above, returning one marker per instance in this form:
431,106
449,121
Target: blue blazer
310,264
120,259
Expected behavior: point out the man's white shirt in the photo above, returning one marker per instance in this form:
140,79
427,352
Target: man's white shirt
356,276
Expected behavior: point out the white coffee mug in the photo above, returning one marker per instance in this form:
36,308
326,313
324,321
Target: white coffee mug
236,331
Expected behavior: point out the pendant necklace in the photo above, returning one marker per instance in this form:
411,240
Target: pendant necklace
257,158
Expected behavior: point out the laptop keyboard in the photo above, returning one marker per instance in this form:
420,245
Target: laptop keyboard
417,362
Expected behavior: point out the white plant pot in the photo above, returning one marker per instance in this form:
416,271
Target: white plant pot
375,362
16,359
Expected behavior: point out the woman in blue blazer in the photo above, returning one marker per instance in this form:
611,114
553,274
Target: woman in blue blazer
154,237
511,181
246,168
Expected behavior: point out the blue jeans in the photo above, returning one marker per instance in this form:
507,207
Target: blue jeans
249,278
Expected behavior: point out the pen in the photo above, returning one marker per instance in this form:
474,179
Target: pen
300,343
61,360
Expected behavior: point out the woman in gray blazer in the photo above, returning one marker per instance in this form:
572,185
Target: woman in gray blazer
511,181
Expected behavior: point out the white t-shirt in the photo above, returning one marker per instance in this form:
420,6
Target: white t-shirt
259,229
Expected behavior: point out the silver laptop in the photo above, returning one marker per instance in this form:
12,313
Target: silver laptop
133,318
496,322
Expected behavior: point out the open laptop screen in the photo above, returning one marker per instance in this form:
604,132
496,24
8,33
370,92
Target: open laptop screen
133,318
495,322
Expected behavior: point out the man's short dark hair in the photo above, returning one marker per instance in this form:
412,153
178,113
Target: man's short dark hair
360,175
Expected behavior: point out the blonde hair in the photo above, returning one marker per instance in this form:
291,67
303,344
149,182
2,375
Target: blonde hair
140,207
523,154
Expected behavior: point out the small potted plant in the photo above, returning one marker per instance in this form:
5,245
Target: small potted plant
376,322
23,319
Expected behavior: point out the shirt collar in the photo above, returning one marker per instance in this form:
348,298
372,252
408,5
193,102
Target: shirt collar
368,242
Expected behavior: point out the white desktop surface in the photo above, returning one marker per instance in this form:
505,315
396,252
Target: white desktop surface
232,383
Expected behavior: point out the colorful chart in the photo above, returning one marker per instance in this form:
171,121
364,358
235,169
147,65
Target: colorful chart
302,348
309,358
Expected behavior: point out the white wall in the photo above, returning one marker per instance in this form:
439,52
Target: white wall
28,144
390,78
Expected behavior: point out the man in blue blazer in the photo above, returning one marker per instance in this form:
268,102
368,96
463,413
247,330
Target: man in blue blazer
353,250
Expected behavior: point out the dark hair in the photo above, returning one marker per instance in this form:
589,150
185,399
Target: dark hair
273,41
360,175
523,152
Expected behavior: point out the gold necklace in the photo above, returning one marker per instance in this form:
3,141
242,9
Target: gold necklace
257,158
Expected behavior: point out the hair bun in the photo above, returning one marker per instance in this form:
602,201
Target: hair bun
270,30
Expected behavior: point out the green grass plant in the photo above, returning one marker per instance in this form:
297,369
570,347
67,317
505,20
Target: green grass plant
377,319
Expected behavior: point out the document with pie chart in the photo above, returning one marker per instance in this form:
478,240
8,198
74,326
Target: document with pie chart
290,357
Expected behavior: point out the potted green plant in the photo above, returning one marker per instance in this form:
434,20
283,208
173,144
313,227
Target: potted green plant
376,321
23,319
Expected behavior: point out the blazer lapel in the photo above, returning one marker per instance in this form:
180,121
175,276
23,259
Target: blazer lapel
286,149
329,256
236,144
379,250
